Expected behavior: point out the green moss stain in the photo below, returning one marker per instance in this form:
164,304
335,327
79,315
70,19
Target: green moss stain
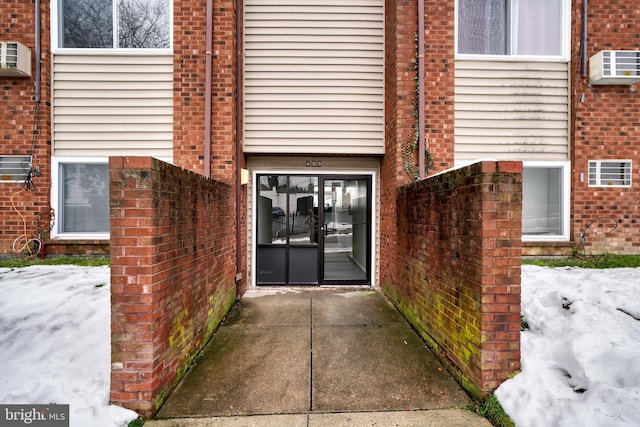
159,399
452,334
469,385
182,332
218,305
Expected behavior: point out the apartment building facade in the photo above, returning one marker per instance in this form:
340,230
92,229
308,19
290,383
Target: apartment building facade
316,112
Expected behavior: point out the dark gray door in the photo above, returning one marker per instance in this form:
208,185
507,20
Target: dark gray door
313,230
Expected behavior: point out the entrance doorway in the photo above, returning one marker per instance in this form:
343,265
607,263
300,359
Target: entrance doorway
313,230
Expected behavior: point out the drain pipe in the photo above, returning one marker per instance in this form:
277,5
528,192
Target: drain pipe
238,148
421,112
38,43
207,88
583,41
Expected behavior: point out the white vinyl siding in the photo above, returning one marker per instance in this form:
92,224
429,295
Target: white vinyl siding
313,77
105,105
511,110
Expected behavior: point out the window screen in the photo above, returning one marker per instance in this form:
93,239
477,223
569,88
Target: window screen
84,198
542,204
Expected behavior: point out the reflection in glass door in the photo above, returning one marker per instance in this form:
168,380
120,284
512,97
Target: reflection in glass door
313,230
346,230
287,230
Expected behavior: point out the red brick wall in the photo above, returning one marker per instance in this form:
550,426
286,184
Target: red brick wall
189,19
439,81
172,274
401,26
18,124
399,80
189,87
458,279
606,126
190,54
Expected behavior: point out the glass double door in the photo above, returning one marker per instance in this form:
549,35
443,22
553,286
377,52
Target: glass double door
313,229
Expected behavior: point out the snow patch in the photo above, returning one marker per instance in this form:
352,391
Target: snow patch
580,351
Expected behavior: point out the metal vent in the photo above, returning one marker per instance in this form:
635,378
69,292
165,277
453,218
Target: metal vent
15,60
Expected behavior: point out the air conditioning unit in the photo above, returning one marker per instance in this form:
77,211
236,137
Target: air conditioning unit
615,67
15,59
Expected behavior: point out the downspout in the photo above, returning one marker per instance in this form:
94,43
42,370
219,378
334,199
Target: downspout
207,88
583,40
421,112
238,149
38,43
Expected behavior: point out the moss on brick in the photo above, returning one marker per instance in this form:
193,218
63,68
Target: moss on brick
445,272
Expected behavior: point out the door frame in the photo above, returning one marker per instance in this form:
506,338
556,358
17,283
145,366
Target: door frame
320,230
370,173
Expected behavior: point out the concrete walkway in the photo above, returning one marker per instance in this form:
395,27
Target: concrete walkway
316,357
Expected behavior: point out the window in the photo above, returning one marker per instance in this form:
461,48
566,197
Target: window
287,209
121,24
545,201
82,199
512,27
14,168
610,173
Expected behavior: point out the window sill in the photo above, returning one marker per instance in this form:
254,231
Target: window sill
112,52
538,239
80,238
509,58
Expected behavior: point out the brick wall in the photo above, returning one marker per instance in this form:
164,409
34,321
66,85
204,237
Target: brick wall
458,276
606,127
190,53
18,124
172,274
439,81
401,26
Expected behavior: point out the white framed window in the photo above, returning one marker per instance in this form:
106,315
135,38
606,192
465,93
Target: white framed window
610,173
508,28
545,201
14,168
80,198
113,24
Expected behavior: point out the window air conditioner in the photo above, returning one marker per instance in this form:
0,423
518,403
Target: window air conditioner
615,67
15,59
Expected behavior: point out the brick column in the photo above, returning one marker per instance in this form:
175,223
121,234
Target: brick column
172,274
458,274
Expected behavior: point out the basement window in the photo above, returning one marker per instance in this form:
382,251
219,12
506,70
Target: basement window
80,198
545,201
609,173
14,168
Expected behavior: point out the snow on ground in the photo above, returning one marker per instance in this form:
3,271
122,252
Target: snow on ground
55,344
580,353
